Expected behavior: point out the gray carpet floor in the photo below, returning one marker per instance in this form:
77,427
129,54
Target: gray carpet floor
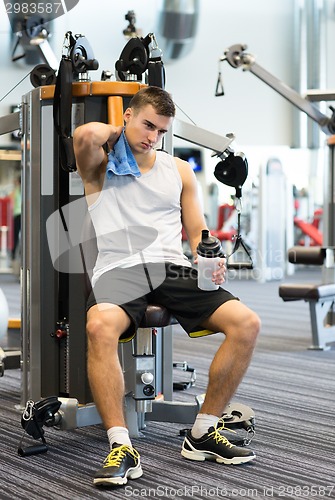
290,389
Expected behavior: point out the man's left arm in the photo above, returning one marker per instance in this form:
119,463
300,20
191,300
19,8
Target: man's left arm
193,219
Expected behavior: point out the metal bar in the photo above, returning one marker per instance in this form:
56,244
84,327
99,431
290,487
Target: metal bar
32,246
317,95
48,54
201,137
292,96
167,362
9,123
179,412
329,199
25,264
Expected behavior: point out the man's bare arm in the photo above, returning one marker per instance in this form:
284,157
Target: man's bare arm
192,217
88,142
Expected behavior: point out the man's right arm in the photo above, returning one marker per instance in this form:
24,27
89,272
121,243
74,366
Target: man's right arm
88,142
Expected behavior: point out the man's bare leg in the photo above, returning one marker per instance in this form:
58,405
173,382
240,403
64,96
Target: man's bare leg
105,325
241,327
204,441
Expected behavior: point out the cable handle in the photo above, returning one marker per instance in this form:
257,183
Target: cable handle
239,241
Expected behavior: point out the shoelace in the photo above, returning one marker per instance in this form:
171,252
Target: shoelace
219,438
117,454
245,441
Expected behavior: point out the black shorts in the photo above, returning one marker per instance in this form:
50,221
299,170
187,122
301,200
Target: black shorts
168,285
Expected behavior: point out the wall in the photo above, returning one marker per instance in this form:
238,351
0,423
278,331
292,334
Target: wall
250,109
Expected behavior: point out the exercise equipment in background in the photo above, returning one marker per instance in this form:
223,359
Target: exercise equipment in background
4,313
310,230
233,171
319,296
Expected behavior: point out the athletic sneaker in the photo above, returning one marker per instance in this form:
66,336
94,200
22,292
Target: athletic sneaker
123,462
216,447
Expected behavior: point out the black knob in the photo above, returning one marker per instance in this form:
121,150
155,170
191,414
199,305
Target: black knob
148,390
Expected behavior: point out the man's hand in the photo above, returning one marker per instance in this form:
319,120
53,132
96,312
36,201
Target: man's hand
220,274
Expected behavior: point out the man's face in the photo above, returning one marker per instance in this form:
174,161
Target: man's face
145,129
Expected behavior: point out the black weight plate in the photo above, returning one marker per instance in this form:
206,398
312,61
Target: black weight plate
41,75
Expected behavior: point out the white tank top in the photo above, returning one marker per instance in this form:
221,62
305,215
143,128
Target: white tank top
138,219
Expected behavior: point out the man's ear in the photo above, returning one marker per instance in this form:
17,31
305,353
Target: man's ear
127,114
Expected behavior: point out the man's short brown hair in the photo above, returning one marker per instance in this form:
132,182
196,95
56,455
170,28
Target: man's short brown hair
157,97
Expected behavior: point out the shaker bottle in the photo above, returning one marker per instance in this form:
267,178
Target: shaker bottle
209,253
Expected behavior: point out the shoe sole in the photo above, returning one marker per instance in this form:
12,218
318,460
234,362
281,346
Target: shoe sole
131,474
202,456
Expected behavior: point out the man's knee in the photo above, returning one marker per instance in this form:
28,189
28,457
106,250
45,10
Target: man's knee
237,320
243,324
94,327
252,326
99,330
106,326
247,329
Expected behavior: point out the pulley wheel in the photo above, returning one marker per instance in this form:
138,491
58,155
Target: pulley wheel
42,75
236,414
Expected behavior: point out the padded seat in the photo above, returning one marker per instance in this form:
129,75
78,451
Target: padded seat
306,291
321,299
157,316
312,256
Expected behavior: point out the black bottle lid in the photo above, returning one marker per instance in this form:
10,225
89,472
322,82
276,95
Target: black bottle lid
209,246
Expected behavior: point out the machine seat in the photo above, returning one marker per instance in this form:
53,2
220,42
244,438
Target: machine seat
306,291
321,300
313,256
157,316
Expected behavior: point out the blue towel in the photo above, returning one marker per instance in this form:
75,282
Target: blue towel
121,160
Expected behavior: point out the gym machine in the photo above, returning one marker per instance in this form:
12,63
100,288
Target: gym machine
321,298
55,389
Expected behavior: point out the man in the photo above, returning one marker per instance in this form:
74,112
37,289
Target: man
159,198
